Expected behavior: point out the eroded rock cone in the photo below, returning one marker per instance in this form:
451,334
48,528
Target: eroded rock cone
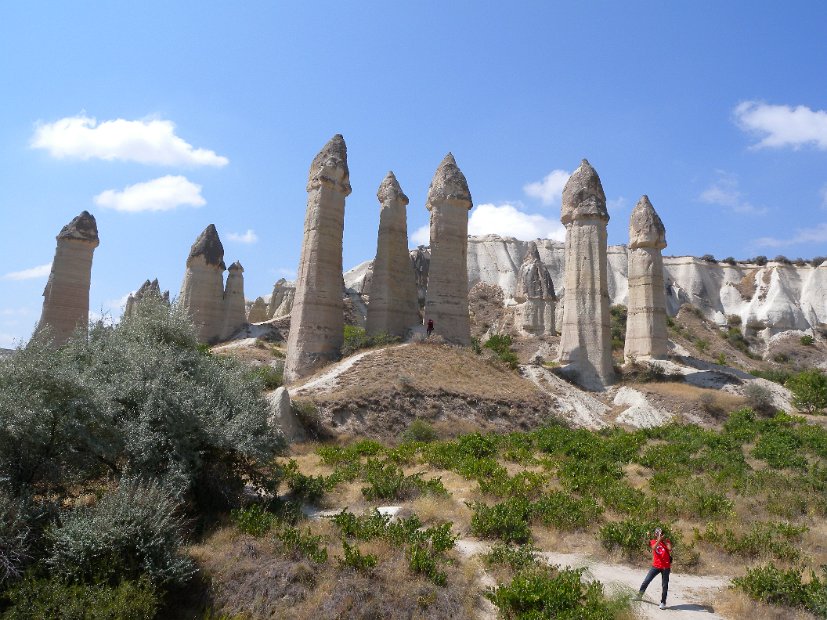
534,293
585,339
646,322
317,319
66,296
202,291
235,309
393,307
147,289
281,300
258,311
446,298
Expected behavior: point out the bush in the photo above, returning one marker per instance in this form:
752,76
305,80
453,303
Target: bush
701,344
303,544
388,481
807,340
776,376
809,388
507,521
355,559
785,587
518,558
35,599
617,318
760,260
729,260
254,520
631,536
357,338
501,346
759,398
708,258
130,532
420,430
270,377
15,537
566,512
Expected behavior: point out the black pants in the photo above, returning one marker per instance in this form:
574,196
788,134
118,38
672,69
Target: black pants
664,574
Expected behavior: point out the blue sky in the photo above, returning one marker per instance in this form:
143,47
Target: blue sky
163,117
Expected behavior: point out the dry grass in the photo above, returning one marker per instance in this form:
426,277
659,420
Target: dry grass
734,604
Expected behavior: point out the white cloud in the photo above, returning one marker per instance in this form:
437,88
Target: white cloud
724,192
150,141
284,272
161,194
9,341
783,125
617,204
550,189
505,220
422,235
249,237
41,271
816,234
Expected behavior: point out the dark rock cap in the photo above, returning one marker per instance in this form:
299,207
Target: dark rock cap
82,228
329,167
209,246
390,190
448,184
583,196
646,230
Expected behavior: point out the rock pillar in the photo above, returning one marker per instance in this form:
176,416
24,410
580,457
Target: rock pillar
66,296
281,301
585,339
317,319
646,323
202,291
446,298
235,310
147,289
393,307
258,311
535,296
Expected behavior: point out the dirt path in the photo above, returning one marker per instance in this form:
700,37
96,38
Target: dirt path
690,596
328,380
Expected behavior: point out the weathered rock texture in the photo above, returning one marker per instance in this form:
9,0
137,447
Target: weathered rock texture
147,289
646,323
317,321
446,299
585,339
202,291
536,301
66,296
282,417
393,307
258,311
281,300
235,311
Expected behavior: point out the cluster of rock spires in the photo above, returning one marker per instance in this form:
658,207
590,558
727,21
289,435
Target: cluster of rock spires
147,289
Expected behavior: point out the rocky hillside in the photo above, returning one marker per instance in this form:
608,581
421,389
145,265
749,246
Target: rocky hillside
774,297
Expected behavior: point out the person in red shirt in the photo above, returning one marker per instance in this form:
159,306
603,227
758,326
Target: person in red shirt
661,563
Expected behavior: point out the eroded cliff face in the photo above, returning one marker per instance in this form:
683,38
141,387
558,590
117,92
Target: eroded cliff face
782,297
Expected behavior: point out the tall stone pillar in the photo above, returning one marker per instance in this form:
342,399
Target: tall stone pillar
235,310
317,317
646,323
258,311
66,296
585,339
535,296
202,291
446,298
393,307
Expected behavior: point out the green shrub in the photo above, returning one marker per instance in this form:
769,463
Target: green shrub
356,338
785,587
270,377
774,375
566,512
423,561
16,537
549,592
780,448
355,559
501,346
807,340
254,520
764,539
809,388
304,488
388,481
420,430
617,317
365,527
35,599
518,558
525,484
507,521
701,344
130,532
303,544
632,536
759,398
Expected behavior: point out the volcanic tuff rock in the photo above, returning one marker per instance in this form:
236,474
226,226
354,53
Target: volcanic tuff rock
585,339
446,298
393,307
646,323
235,311
258,311
317,321
202,291
281,299
66,296
146,289
534,313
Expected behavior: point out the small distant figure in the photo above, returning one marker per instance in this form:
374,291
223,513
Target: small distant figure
430,327
661,563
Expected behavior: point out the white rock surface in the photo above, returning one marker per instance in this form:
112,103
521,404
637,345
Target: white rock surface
258,311
235,310
202,291
534,313
640,413
446,299
317,319
66,296
281,299
580,408
282,416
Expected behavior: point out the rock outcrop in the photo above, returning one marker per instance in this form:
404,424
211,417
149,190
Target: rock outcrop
147,289
281,300
235,310
535,310
317,321
585,338
446,298
646,336
66,296
282,417
393,307
258,311
202,291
